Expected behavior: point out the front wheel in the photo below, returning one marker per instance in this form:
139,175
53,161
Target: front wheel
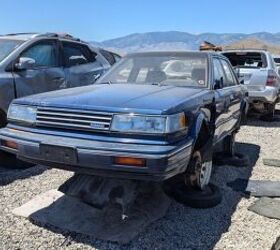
199,171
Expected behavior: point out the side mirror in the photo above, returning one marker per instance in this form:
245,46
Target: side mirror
25,63
278,70
242,82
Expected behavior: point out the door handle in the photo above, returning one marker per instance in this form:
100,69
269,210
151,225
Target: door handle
58,78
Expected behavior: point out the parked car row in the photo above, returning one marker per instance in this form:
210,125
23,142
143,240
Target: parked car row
154,116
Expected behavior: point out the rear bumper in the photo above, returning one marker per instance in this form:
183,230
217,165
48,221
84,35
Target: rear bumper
97,157
267,95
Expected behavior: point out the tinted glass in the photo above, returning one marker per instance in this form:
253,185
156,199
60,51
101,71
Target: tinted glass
43,53
75,54
7,46
178,70
109,56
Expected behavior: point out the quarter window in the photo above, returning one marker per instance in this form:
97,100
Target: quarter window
219,75
230,80
43,53
76,54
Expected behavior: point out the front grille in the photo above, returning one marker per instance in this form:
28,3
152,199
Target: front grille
73,119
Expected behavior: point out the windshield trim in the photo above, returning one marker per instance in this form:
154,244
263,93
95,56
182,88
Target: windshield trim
198,55
18,43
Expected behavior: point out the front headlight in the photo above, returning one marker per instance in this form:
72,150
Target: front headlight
22,113
149,124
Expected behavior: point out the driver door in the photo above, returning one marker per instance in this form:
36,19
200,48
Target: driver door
45,75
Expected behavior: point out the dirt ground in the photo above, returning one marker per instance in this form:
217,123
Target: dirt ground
228,226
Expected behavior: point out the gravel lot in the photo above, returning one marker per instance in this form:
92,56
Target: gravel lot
227,226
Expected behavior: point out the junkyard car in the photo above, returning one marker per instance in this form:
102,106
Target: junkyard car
137,122
32,63
256,68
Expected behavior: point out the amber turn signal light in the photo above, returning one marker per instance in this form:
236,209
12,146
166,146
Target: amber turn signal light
9,144
128,161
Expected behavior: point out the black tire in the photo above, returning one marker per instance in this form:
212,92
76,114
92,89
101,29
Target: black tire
191,197
237,160
244,117
229,144
269,116
10,161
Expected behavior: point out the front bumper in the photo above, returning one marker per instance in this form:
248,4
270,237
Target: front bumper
96,157
266,95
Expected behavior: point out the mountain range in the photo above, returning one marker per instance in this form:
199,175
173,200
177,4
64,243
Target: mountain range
175,40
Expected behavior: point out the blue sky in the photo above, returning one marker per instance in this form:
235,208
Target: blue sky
104,19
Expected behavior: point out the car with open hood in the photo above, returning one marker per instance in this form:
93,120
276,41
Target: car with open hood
141,120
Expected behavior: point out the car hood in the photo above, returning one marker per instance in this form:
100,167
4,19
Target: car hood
115,98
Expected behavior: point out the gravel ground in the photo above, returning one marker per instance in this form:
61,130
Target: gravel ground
228,226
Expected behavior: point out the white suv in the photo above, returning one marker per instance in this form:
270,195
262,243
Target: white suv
257,70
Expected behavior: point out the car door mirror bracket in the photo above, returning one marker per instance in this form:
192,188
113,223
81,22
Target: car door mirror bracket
25,63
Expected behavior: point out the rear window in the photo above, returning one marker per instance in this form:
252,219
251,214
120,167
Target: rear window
247,59
277,59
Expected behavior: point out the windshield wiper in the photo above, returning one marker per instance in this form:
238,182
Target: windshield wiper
159,84
109,82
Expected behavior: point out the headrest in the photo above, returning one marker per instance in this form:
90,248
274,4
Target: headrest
198,74
156,76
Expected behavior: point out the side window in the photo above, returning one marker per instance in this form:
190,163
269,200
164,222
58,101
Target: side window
230,79
218,71
44,54
76,54
109,57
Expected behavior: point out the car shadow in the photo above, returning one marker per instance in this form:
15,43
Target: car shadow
184,227
257,120
9,175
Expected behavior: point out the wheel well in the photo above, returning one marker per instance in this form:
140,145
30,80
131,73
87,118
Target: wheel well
3,119
202,137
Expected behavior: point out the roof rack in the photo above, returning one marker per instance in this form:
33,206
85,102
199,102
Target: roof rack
59,35
47,34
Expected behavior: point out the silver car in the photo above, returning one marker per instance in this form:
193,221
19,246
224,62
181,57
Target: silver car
32,63
257,70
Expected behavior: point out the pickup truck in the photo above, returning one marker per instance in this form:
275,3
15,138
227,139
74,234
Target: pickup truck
137,122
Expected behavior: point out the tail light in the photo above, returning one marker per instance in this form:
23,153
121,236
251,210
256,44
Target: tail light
271,79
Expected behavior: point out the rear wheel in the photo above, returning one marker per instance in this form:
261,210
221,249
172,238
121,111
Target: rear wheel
270,107
228,155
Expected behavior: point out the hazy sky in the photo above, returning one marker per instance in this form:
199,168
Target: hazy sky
104,19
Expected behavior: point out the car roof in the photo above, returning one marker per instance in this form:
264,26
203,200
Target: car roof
244,50
171,53
31,35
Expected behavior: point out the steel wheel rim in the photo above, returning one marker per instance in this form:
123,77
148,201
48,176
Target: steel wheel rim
205,174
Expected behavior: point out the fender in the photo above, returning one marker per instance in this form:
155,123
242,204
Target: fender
197,125
206,147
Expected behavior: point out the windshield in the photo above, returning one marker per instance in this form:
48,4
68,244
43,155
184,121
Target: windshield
187,70
7,46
